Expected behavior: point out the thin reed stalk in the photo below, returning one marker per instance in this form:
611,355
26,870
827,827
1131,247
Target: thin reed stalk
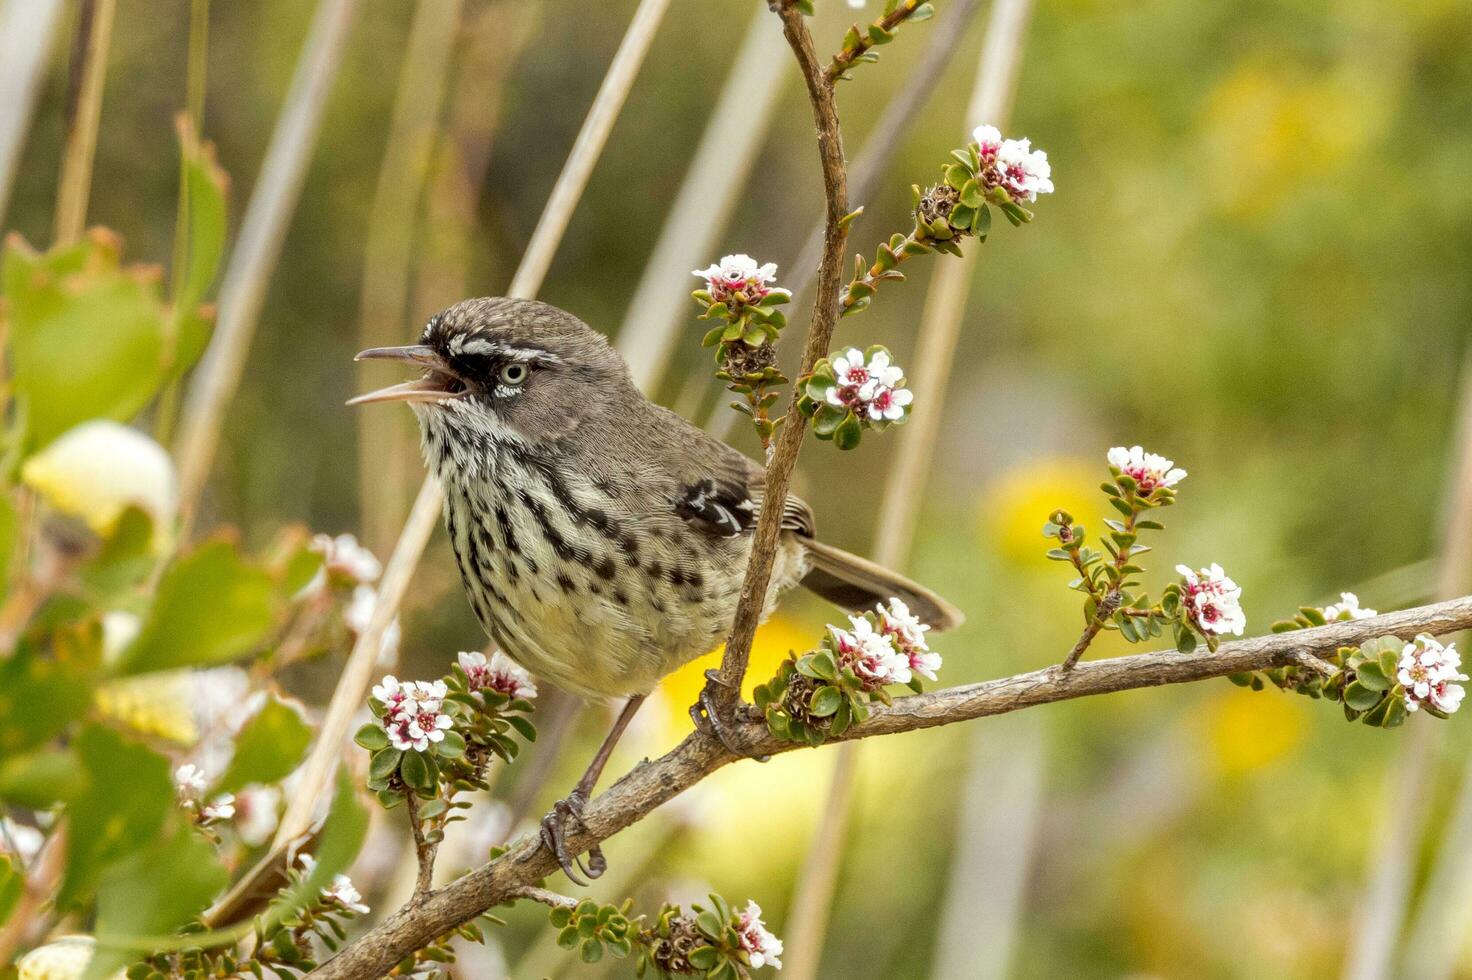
385,445
940,326
92,40
257,250
27,34
1386,900
694,222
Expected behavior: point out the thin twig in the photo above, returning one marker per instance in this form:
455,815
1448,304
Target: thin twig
727,691
257,249
424,849
651,784
846,58
83,114
548,898
940,326
27,31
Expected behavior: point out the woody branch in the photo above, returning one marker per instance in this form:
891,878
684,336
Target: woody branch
651,784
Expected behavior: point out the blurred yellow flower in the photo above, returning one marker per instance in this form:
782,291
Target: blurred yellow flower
152,704
1248,730
775,639
1272,131
1013,509
99,469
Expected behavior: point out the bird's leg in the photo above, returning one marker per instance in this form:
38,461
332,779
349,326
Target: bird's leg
555,823
707,718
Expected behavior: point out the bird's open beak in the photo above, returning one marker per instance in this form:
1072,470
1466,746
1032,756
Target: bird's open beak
438,383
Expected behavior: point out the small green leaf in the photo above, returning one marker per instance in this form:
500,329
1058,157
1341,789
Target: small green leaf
825,701
1361,697
269,747
371,737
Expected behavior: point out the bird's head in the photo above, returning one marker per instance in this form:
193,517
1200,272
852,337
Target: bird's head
497,364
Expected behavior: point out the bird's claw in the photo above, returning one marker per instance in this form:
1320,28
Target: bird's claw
554,838
709,719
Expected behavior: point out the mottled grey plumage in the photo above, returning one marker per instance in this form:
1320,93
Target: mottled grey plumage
602,539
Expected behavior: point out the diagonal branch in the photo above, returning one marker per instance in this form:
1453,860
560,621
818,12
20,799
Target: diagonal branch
820,333
651,784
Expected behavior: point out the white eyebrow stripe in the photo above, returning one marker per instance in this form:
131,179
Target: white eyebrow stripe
481,347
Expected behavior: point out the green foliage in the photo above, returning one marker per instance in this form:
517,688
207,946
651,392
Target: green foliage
745,352
129,795
1362,679
12,886
704,942
819,695
594,929
268,748
212,606
153,891
43,691
87,334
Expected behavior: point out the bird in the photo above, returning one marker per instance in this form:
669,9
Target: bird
602,539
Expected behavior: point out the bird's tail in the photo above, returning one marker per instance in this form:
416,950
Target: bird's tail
857,583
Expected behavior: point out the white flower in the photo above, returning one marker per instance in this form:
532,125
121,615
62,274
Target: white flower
190,782
359,614
1025,172
413,718
871,654
1213,601
256,814
1148,470
1427,671
988,140
343,559
22,840
869,387
221,807
907,632
499,674
1347,608
342,892
738,279
762,948
100,468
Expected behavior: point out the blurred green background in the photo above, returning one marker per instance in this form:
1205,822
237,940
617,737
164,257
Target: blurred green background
1256,263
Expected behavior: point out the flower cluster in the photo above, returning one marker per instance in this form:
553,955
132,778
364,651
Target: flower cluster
737,280
341,892
1427,670
412,712
854,390
739,294
870,653
1013,165
714,941
1346,609
1212,602
907,633
345,560
762,947
868,387
499,673
1148,470
191,785
821,693
989,172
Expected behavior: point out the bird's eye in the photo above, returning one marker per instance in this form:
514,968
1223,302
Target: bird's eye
512,374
